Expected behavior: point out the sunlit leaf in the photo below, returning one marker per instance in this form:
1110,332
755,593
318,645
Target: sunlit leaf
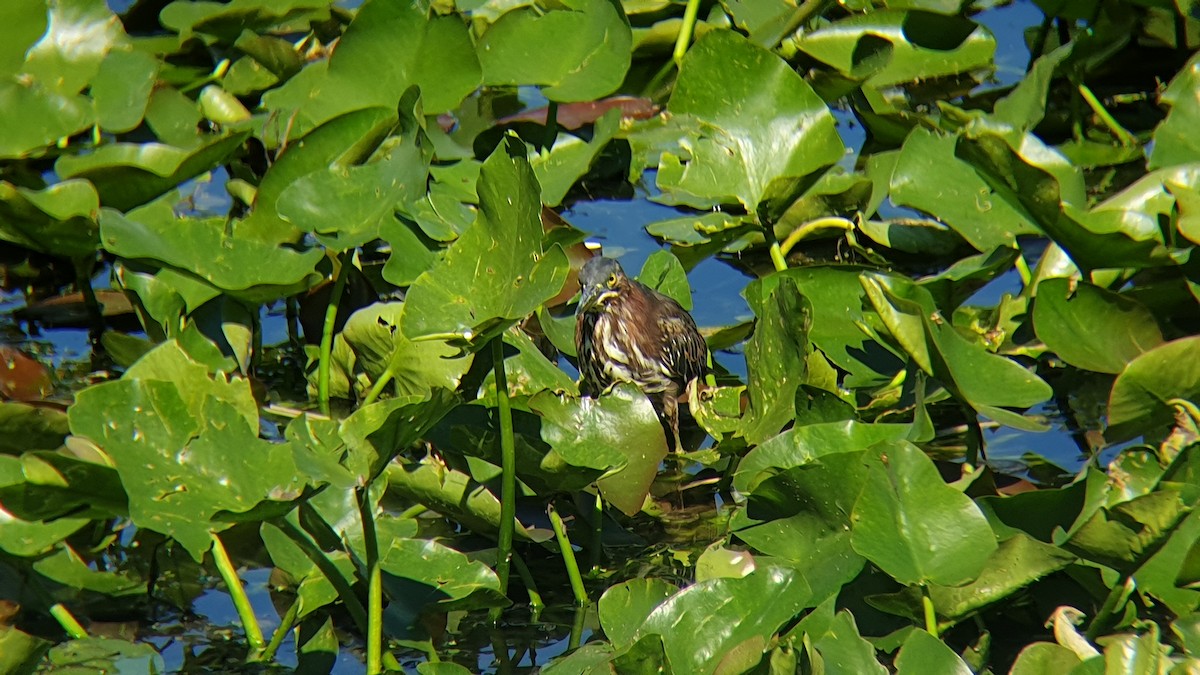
754,128
1066,316
498,271
525,46
899,521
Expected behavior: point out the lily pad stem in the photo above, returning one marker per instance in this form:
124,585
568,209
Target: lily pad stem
931,625
535,599
374,584
508,469
331,311
551,126
1117,597
385,378
568,556
1113,125
777,258
596,549
686,30
83,272
67,621
800,233
350,600
1024,271
237,593
285,626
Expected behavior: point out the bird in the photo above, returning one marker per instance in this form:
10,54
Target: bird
626,331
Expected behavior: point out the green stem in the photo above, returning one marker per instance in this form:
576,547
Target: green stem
385,378
535,598
508,469
1024,271
551,125
686,30
413,511
67,621
777,258
568,556
974,437
374,584
349,598
1115,127
597,534
798,234
576,629
331,311
930,616
83,279
1117,597
285,625
237,593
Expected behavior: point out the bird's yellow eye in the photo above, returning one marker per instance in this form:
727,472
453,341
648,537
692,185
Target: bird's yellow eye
612,280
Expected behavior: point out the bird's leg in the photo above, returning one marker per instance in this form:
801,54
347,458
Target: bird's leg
670,413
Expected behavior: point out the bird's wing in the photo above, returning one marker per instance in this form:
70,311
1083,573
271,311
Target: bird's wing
684,349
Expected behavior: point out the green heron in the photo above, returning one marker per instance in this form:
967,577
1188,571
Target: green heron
626,331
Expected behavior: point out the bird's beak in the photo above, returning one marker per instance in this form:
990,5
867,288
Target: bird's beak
589,298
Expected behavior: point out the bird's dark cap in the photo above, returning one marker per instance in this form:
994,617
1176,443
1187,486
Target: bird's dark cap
596,271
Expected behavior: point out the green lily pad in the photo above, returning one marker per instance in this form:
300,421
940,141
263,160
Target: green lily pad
887,47
386,49
373,333
619,432
455,494
39,118
60,219
102,654
1018,562
1138,401
803,445
706,626
345,207
923,653
1044,184
130,174
899,521
203,247
79,34
928,177
802,514
376,433
844,650
122,87
499,270
1173,144
525,46
1067,317
987,381
754,128
624,608
775,357
421,575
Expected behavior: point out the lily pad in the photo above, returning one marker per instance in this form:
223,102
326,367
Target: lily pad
899,521
755,129
499,269
1066,317
1139,396
525,46
619,432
